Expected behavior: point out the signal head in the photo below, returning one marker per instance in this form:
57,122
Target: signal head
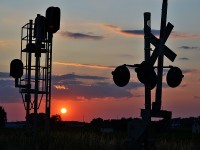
53,19
174,77
146,74
121,76
40,27
16,68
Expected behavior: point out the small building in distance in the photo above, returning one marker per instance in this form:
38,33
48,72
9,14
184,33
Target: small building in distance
196,128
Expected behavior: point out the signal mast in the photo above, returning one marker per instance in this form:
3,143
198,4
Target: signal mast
33,74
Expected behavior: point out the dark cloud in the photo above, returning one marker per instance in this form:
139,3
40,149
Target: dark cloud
80,35
126,55
184,58
140,32
196,97
96,90
8,93
100,87
71,86
4,75
189,47
74,76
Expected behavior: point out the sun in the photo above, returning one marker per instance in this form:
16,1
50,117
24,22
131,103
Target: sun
63,110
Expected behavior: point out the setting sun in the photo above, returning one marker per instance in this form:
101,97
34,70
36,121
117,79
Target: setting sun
63,110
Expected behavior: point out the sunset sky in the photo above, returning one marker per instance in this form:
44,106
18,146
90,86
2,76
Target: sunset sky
96,36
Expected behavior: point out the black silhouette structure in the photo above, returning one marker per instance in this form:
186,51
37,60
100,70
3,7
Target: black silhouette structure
32,72
146,74
3,117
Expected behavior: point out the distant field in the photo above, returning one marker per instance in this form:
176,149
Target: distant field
16,139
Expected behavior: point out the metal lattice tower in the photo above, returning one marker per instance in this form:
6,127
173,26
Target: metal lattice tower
37,78
33,74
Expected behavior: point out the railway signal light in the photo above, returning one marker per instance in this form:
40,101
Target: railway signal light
146,74
121,76
40,32
16,68
53,19
174,77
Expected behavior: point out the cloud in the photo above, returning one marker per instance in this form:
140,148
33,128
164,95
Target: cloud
125,56
188,71
184,35
189,47
184,58
72,77
140,33
71,86
111,27
4,75
197,97
87,87
77,35
8,93
83,65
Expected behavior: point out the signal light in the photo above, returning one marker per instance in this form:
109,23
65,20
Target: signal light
16,68
174,77
121,76
40,28
53,19
146,74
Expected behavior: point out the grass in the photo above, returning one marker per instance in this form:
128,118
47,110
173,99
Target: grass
16,139
180,139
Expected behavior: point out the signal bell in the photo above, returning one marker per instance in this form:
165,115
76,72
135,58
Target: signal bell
174,77
121,76
146,74
53,19
16,68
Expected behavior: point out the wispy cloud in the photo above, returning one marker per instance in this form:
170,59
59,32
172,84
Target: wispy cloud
197,97
184,58
189,47
184,35
78,35
140,33
189,71
83,65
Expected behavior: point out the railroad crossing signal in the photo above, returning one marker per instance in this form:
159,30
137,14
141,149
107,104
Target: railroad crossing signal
145,70
160,47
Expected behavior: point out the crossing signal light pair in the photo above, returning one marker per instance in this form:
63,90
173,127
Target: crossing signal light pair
146,75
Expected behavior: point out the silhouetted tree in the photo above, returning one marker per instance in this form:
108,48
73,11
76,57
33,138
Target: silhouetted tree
3,117
55,118
98,122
